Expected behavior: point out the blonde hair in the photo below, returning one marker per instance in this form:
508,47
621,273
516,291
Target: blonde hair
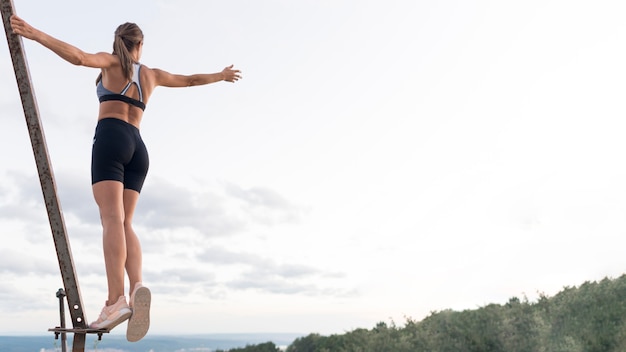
127,37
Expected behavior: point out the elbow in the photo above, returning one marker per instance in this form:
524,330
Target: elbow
192,81
78,59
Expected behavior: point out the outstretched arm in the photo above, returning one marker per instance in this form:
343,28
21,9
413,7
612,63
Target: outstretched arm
166,79
66,51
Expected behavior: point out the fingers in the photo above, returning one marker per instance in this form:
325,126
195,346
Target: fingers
14,22
18,25
231,75
235,76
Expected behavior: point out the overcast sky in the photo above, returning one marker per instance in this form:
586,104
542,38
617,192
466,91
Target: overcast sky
379,160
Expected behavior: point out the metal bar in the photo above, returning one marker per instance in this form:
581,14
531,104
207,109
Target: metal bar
61,297
46,176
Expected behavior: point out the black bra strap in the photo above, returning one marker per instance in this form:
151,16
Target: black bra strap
120,97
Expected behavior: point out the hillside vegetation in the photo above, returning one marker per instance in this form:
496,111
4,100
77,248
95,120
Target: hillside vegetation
588,318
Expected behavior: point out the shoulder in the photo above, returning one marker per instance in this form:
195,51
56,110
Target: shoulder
148,77
145,71
150,70
155,75
158,77
101,60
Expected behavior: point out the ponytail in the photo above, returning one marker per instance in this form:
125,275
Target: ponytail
120,48
127,37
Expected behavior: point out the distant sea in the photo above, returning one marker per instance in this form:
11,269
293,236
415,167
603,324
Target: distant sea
118,343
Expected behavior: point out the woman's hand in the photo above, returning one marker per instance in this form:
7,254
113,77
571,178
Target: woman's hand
22,28
230,75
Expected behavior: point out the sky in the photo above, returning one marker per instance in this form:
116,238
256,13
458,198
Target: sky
380,160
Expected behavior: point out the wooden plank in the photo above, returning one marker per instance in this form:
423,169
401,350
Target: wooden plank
46,176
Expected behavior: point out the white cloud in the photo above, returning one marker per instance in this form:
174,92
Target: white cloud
375,161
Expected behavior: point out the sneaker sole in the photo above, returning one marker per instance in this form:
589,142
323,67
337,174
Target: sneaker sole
139,321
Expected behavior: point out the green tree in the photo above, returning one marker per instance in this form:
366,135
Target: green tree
263,347
589,318
309,343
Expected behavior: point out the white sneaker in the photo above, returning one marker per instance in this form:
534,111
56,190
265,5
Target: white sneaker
139,321
113,315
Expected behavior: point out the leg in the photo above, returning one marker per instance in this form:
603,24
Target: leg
134,176
109,197
140,296
133,246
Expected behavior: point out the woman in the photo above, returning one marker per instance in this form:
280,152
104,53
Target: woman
120,159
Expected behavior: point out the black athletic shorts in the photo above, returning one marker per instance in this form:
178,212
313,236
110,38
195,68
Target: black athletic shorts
119,154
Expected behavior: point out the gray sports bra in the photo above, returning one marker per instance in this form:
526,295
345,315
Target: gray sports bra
107,95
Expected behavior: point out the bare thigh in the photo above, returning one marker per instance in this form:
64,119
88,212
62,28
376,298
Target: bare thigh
109,197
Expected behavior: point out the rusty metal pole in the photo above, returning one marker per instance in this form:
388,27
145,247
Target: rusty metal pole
46,176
